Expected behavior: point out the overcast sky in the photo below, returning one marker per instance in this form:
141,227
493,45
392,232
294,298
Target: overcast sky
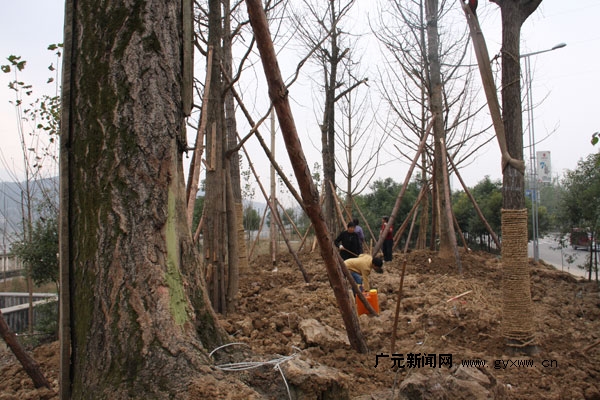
566,82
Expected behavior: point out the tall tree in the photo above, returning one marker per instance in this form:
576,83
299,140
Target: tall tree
224,244
222,173
325,38
358,159
239,244
427,73
134,305
518,326
448,246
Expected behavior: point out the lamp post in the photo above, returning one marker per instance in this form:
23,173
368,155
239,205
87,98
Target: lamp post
532,155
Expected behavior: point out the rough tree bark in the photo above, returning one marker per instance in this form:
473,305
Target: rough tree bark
328,127
238,244
139,319
217,240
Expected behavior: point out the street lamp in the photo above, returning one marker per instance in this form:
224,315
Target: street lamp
532,155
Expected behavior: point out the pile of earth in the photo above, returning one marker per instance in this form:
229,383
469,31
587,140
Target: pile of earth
288,339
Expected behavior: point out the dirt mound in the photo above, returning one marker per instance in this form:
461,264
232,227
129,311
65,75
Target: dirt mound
288,338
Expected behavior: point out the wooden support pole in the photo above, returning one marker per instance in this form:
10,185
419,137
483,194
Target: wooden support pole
275,218
397,313
278,93
338,208
476,206
396,208
413,212
289,218
29,364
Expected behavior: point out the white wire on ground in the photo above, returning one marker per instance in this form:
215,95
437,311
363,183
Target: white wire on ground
226,345
246,365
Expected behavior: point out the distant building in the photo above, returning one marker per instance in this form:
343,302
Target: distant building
9,262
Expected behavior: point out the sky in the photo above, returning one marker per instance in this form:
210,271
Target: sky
27,28
565,82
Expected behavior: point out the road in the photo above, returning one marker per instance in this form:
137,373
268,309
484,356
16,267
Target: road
565,259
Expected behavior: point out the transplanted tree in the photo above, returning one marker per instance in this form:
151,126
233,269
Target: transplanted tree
518,326
224,245
219,236
325,38
448,246
135,315
426,77
361,144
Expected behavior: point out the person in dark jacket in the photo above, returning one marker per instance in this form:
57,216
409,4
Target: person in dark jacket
348,242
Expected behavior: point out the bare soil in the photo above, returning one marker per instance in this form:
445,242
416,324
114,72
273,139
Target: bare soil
275,305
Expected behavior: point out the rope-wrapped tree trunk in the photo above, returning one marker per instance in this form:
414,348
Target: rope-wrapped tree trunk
518,326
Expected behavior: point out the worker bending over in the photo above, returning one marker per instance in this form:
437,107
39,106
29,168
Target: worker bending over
360,268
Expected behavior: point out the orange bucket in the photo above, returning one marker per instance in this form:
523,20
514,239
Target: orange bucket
373,300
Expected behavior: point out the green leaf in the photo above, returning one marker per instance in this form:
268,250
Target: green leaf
5,68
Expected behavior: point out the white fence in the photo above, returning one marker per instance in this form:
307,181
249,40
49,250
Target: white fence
15,308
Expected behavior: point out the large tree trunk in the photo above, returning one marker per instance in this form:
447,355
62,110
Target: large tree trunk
328,130
237,247
216,238
448,245
518,326
140,321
